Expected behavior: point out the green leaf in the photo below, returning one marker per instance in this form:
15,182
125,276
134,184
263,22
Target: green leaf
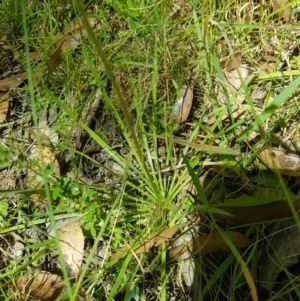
3,209
5,155
246,200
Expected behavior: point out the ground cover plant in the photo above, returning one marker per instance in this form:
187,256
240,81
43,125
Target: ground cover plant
149,150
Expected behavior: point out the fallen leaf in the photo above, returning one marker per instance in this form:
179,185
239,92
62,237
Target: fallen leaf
246,215
45,286
280,161
283,253
73,35
199,146
41,157
12,81
153,240
209,243
15,80
234,81
71,246
231,64
237,77
34,56
87,116
44,129
187,268
4,105
182,107
187,271
285,13
179,3
4,96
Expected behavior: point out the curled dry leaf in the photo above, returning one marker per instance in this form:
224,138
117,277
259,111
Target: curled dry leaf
71,246
182,107
153,240
45,287
257,213
40,158
187,270
209,244
280,161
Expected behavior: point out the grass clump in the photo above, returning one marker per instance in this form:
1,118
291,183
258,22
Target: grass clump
111,73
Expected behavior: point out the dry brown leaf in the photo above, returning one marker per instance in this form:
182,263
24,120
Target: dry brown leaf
71,246
234,81
41,158
4,96
181,8
286,13
179,3
16,80
278,160
34,56
45,287
257,213
236,77
12,81
77,25
153,240
209,243
182,107
87,116
73,35
231,64
199,146
4,105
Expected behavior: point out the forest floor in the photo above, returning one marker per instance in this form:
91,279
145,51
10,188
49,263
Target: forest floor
149,150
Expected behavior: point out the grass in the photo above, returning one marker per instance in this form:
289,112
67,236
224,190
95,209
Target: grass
137,61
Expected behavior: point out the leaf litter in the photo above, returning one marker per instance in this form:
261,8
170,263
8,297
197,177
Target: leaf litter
72,36
4,105
40,158
237,74
71,245
154,240
183,105
209,243
45,286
